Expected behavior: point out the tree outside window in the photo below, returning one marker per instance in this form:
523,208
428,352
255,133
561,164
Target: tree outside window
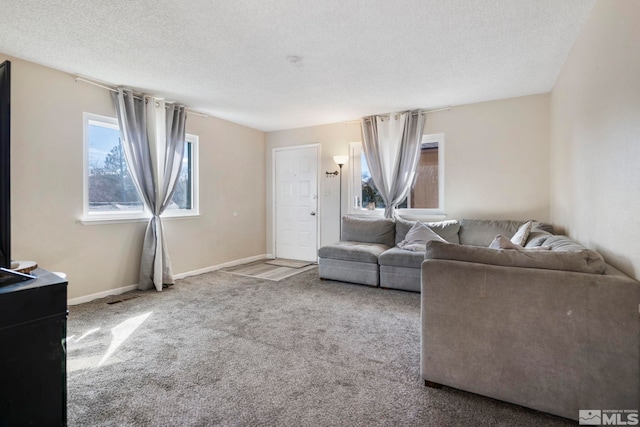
426,194
109,186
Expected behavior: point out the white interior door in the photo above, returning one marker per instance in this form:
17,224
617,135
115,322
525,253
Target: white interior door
296,203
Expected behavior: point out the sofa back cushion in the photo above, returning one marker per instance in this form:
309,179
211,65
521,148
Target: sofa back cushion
448,230
369,230
481,232
580,260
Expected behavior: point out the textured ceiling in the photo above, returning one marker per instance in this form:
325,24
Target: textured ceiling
232,58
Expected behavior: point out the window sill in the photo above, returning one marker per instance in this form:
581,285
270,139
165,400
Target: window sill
422,214
182,215
115,220
366,212
146,218
408,214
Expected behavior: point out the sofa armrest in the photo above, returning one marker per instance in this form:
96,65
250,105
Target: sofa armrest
555,341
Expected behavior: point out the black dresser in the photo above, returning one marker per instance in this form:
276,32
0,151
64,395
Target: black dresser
33,363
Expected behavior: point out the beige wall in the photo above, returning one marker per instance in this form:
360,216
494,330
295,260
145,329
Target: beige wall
47,179
595,136
496,158
496,161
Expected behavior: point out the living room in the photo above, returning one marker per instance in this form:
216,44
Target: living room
564,155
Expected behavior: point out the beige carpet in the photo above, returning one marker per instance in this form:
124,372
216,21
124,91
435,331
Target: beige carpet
264,269
225,350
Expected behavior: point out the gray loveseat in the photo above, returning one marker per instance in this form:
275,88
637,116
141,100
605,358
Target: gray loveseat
555,330
368,253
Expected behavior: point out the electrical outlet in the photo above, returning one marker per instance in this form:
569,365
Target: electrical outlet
327,192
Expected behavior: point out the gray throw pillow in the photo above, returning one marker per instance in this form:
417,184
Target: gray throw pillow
402,228
418,236
448,229
501,242
520,237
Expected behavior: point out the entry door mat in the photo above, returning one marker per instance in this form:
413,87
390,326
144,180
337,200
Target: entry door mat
263,270
291,263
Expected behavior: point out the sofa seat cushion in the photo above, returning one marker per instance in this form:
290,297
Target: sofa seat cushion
362,273
404,278
402,258
353,251
583,260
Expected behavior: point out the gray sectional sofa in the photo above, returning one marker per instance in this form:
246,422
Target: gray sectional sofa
550,327
368,253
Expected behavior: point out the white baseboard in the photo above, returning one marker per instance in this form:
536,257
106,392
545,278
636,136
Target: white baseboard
87,298
219,266
118,291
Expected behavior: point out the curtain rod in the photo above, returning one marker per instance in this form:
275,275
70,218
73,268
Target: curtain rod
113,89
424,111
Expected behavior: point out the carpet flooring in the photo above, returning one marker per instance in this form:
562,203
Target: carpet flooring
221,349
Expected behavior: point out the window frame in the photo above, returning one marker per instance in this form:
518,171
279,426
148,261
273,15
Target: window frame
355,180
89,217
194,140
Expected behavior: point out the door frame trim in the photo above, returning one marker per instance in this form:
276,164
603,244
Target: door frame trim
273,192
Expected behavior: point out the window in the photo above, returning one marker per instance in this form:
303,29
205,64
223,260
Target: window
427,192
183,201
109,190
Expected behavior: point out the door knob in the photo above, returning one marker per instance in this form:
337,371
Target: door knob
313,213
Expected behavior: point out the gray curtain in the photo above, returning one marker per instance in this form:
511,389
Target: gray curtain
391,145
153,145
